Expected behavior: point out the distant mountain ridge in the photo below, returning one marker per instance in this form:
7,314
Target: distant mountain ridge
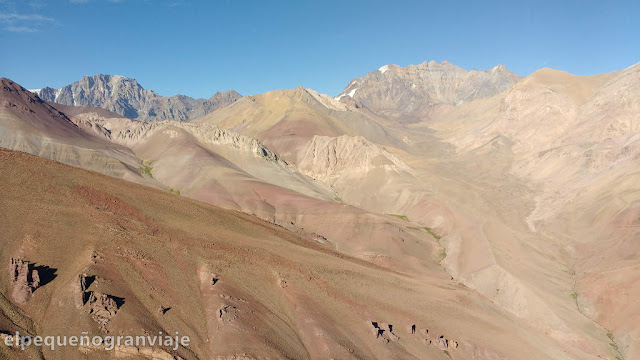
410,93
126,97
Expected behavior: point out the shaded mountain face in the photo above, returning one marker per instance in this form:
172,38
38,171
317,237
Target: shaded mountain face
29,124
126,97
410,93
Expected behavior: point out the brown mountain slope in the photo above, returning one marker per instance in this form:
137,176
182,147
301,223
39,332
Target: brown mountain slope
530,194
230,170
475,193
238,172
286,119
31,125
339,145
239,287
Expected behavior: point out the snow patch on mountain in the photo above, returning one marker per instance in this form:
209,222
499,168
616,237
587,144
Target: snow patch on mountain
350,94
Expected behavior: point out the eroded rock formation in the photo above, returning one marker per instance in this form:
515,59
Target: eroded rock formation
102,307
26,277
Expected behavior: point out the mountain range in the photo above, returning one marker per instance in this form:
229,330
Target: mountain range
426,212
411,93
126,97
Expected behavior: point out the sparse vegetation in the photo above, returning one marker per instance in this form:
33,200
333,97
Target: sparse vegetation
614,345
146,168
440,255
435,236
401,217
574,295
338,199
446,353
174,191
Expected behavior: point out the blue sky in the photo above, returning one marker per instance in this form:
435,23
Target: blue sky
199,47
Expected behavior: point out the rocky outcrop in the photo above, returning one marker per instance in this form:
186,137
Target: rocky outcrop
228,313
440,342
329,158
409,93
126,97
102,307
443,343
384,332
26,277
131,132
85,281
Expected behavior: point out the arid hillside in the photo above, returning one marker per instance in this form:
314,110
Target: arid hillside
568,146
31,125
518,193
238,286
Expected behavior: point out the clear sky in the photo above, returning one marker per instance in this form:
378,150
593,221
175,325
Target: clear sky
199,47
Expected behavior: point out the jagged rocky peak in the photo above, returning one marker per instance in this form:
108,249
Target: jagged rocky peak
125,96
409,93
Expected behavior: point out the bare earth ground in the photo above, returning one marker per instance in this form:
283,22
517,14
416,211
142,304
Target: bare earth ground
278,295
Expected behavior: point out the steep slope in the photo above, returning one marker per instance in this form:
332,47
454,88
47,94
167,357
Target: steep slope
362,173
285,120
569,143
185,158
237,172
237,286
337,144
409,94
126,97
470,198
207,163
527,197
31,125
178,150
